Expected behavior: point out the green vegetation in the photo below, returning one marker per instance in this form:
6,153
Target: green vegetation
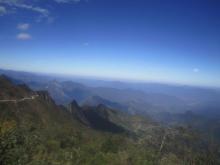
37,132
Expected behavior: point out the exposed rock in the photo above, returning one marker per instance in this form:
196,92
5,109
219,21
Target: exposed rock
77,112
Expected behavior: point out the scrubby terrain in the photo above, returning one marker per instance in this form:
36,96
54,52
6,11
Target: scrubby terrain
36,131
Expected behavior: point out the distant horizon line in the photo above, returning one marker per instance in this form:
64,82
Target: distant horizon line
109,79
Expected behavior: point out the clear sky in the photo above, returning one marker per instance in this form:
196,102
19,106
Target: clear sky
174,41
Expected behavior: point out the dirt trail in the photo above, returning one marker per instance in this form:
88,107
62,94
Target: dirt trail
20,100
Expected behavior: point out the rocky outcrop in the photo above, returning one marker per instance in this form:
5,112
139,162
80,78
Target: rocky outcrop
45,96
77,112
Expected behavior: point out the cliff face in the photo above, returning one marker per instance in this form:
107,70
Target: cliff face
77,112
24,105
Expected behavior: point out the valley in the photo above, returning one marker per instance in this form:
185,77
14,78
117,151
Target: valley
35,130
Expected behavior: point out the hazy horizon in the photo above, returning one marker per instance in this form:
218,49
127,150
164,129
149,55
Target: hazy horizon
76,78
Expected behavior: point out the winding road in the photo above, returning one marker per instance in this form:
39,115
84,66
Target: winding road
19,100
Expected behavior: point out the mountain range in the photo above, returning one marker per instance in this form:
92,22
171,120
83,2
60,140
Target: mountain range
48,121
35,130
135,98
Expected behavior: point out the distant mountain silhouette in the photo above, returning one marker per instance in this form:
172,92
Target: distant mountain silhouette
97,100
135,98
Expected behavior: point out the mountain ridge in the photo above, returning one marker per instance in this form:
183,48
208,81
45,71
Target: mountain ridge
37,131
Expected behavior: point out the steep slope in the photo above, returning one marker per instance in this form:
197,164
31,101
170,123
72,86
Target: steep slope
34,130
77,112
10,91
103,118
31,128
99,118
131,124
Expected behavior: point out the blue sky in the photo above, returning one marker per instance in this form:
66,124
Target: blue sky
143,40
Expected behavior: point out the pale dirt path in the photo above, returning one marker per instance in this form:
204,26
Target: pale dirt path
20,100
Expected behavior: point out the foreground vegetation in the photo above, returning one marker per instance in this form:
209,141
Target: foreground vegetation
38,132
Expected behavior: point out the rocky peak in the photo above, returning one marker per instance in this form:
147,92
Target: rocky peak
73,106
77,112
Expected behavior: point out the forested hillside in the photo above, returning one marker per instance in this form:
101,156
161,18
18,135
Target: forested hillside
37,131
